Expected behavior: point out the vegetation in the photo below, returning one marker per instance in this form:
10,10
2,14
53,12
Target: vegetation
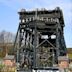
70,55
4,68
9,69
6,48
1,67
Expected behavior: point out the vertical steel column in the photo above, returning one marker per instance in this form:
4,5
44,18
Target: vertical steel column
53,59
19,44
63,44
35,44
57,40
35,40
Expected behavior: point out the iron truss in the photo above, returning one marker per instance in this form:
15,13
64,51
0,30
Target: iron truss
39,39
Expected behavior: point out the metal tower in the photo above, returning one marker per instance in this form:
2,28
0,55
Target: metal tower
40,38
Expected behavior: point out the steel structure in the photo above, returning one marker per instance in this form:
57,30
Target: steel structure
40,38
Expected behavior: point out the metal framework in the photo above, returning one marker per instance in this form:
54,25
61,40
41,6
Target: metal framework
40,38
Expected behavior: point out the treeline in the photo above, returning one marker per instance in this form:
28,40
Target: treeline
6,48
6,43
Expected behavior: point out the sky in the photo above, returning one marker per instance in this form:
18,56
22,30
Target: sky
9,18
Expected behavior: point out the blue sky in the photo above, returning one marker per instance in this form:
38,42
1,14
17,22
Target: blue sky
9,17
